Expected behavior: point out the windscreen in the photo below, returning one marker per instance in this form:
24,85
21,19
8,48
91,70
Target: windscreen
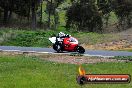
72,39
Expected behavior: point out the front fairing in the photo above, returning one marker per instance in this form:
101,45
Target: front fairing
52,40
73,40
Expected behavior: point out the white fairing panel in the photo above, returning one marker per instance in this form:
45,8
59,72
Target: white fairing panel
52,39
59,39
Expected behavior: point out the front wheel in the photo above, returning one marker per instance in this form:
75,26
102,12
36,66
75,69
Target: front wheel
80,49
57,47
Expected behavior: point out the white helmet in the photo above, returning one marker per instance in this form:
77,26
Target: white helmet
61,34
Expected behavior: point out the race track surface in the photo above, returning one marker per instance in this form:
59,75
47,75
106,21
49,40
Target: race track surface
50,50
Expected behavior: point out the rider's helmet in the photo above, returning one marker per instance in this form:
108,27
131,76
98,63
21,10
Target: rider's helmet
67,35
61,34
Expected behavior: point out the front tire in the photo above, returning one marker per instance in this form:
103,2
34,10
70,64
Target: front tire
80,49
57,47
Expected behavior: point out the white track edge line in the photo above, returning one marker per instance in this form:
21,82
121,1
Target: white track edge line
50,53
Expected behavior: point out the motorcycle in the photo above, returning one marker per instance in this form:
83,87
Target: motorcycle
69,44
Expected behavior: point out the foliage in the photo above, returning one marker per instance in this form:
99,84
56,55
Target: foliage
21,8
15,37
84,15
51,9
27,38
105,7
123,10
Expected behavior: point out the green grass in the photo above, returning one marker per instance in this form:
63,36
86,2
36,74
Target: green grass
95,38
123,58
130,50
31,72
26,38
39,38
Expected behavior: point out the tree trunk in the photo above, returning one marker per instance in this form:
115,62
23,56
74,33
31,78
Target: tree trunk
49,20
28,17
41,12
33,16
49,15
5,15
0,13
56,16
56,19
10,15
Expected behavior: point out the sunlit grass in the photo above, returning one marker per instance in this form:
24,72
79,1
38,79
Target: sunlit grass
32,72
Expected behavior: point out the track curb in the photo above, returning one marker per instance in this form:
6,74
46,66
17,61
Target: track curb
19,51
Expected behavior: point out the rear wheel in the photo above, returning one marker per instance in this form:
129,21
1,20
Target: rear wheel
57,47
80,49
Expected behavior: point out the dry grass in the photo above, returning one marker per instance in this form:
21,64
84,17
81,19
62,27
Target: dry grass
63,58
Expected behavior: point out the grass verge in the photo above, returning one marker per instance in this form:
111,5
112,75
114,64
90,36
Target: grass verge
32,72
39,38
129,58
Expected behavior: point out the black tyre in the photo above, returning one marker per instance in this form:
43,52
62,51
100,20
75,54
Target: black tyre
57,47
80,49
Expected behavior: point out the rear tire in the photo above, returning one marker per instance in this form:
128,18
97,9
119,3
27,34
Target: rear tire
80,49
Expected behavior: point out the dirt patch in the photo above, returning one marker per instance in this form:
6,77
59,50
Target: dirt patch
124,42
76,59
114,45
65,58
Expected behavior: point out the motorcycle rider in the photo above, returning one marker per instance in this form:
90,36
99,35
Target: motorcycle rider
60,37
65,42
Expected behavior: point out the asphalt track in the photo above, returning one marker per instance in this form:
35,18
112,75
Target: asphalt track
102,53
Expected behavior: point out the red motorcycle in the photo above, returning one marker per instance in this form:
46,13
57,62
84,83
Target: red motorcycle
69,44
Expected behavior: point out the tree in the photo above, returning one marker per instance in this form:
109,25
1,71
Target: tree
105,7
5,5
41,11
20,7
84,15
33,7
51,9
123,10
